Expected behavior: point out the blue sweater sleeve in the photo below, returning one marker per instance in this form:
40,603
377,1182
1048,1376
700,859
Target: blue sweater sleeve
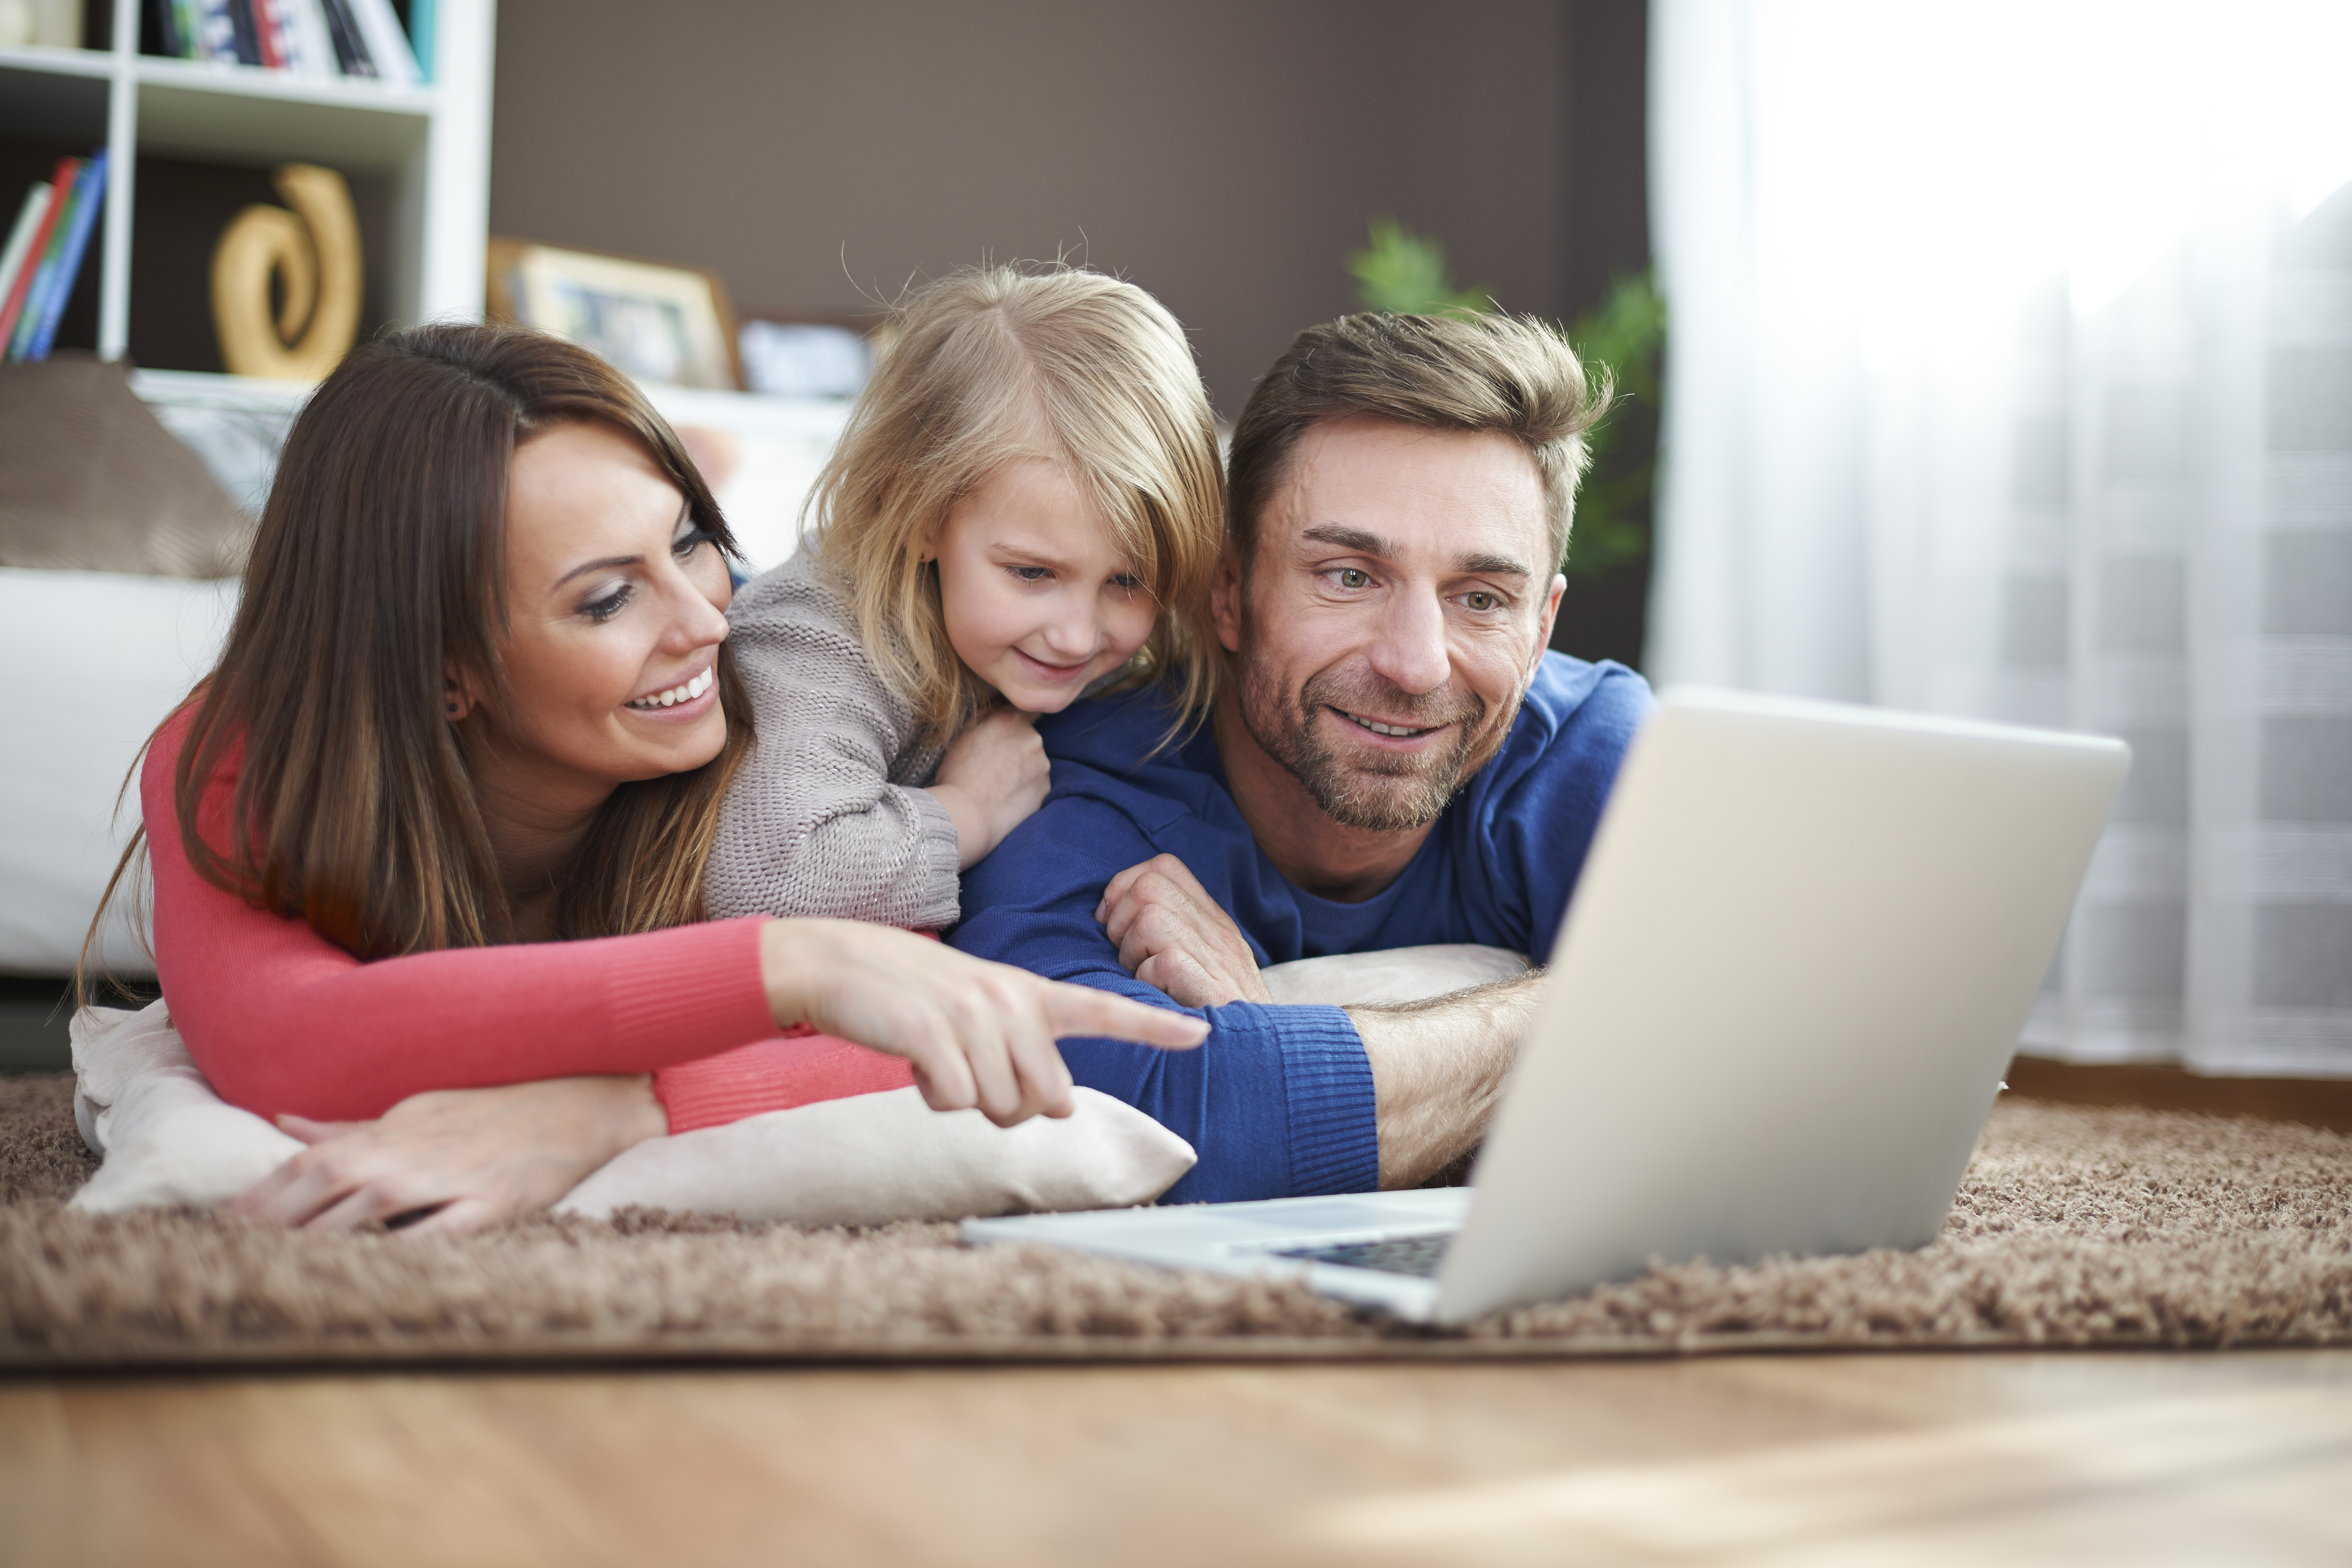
1278,1101
1539,815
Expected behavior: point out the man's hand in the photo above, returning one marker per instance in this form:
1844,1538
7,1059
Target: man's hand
990,780
1171,934
466,1157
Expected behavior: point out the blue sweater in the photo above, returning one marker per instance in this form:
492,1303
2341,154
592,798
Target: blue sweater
1279,1101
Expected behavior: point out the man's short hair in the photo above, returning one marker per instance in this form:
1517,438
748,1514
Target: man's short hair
1511,374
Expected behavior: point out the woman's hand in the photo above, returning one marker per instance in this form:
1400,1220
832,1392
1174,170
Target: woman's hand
995,775
978,1034
471,1157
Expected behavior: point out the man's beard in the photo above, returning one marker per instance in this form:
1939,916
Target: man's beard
1380,791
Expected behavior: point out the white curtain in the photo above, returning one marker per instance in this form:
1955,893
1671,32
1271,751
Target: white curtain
2010,373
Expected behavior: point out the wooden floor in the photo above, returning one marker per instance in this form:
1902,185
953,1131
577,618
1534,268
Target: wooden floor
2315,1103
2072,1458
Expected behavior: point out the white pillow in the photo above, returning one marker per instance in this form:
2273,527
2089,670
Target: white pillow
873,1158
168,1141
1395,975
145,1108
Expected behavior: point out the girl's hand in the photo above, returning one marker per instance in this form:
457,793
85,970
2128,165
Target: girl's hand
992,776
469,1157
978,1034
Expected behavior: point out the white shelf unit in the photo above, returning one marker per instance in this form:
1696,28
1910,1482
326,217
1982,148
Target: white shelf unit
432,143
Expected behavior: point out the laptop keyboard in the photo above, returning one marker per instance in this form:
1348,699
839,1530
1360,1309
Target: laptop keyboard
1418,1255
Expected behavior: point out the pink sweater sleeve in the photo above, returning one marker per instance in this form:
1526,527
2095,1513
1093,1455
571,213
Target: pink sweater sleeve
280,1019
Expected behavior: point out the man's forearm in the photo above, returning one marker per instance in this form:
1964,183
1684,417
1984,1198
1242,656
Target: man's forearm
1438,1068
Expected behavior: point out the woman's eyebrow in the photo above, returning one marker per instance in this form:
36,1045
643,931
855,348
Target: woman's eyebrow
606,564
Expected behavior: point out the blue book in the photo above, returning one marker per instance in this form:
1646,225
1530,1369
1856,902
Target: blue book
89,192
42,264
421,20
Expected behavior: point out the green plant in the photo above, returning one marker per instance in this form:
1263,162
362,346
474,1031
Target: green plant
1406,274
1627,335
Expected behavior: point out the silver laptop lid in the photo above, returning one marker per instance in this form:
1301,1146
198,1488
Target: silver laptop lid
1799,958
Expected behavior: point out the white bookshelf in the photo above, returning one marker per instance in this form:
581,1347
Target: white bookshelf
432,143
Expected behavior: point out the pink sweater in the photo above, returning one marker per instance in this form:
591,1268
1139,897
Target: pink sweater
280,1019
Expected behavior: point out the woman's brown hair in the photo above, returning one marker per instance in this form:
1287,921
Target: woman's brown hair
378,570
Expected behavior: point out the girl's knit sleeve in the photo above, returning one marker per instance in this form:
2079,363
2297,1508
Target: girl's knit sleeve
813,824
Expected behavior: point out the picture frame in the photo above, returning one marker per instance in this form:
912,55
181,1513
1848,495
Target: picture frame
656,322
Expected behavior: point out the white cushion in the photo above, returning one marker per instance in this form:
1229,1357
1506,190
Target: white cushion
167,1140
1395,975
873,1158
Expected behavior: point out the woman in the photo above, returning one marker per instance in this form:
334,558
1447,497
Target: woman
439,818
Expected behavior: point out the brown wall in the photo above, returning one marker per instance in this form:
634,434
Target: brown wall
1225,156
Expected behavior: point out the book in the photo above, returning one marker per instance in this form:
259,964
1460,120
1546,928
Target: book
423,18
313,45
12,310
241,28
216,33
20,239
387,45
350,51
159,28
266,35
44,24
188,23
89,192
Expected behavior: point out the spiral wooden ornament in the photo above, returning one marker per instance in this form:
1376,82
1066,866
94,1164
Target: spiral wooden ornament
314,253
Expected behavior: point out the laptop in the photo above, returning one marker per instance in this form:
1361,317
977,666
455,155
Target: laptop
1804,944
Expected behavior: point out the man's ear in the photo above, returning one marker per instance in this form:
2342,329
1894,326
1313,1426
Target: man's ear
1225,610
1551,615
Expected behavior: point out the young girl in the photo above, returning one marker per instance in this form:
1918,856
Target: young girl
1027,502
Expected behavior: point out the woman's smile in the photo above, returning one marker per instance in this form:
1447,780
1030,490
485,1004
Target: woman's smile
686,700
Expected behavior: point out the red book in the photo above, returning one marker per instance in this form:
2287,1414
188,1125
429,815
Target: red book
267,34
60,196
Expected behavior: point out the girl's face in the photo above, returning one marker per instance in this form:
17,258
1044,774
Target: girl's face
616,604
1037,596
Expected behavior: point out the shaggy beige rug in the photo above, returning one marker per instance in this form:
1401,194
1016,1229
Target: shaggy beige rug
2074,1227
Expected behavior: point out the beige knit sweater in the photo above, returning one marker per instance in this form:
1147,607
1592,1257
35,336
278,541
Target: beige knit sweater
827,817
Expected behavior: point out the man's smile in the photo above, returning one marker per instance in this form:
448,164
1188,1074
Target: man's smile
1394,731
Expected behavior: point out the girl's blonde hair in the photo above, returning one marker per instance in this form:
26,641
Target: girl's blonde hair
994,364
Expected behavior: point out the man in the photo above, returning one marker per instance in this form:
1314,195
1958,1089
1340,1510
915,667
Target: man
1394,759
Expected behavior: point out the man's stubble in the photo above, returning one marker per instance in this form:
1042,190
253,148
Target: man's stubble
1382,793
